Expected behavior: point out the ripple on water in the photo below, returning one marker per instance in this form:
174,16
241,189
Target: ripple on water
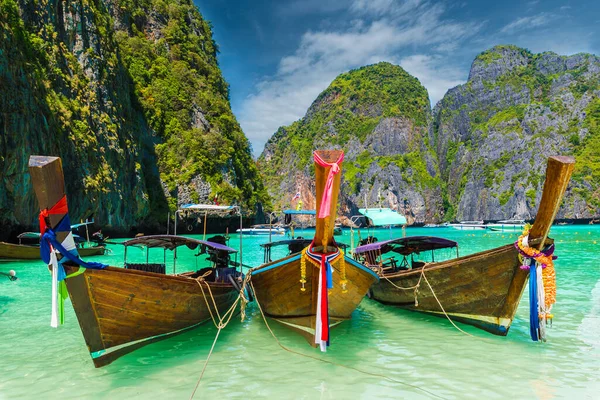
415,349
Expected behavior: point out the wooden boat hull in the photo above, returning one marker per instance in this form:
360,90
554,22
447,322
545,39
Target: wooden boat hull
481,289
277,290
27,252
120,310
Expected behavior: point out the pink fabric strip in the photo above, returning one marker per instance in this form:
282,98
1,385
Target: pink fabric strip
324,210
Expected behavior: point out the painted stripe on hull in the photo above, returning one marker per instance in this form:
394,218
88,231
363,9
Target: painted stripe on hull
297,257
495,325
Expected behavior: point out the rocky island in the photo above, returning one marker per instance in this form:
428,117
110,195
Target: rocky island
479,155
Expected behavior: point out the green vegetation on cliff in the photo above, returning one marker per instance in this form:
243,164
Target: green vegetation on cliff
379,114
352,106
186,100
129,94
516,109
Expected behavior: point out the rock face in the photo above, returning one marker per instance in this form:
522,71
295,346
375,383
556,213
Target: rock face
130,95
482,155
493,134
380,116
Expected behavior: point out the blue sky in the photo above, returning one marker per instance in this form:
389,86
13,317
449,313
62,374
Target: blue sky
279,55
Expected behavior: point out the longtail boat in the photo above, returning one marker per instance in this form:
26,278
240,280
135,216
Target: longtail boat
21,251
481,289
318,287
122,309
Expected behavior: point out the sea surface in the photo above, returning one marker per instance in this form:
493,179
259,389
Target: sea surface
425,356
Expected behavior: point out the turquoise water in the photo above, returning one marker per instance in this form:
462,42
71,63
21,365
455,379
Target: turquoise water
422,351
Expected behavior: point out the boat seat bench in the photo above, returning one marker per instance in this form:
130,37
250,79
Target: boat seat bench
151,267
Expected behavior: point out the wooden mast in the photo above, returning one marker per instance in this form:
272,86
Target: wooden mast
49,186
558,174
324,226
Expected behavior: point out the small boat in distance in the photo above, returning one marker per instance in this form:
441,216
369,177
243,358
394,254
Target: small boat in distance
263,229
31,251
512,225
122,309
337,230
302,224
317,287
481,289
469,226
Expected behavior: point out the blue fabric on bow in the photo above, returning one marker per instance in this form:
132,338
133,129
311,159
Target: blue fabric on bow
49,238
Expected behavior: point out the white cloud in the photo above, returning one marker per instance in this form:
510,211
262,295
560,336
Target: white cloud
433,73
322,55
527,23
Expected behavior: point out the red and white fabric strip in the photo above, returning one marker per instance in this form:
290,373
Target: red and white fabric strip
59,208
322,317
324,210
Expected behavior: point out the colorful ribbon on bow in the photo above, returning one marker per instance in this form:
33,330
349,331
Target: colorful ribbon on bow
49,245
325,282
59,208
542,284
324,210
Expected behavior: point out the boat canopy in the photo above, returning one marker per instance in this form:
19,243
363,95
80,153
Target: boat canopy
304,242
171,242
29,235
207,207
407,245
287,242
383,216
300,212
87,222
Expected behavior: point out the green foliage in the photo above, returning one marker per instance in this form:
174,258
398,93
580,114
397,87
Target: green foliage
505,197
530,194
587,153
185,99
353,105
489,56
349,110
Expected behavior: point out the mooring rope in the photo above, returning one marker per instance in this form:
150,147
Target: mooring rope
220,325
415,287
331,362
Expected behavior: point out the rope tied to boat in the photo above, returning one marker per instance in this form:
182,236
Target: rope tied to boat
256,300
223,320
542,283
325,209
415,287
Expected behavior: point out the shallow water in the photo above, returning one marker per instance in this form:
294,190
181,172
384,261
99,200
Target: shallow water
417,351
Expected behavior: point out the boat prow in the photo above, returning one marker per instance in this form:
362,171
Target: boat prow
315,289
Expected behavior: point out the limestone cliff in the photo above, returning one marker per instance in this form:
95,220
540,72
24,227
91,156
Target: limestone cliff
493,134
380,116
129,94
481,156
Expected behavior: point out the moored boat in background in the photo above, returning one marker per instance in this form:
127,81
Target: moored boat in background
510,225
469,226
481,289
21,251
263,229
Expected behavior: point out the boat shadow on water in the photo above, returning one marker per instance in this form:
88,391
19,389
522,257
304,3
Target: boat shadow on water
187,350
428,327
5,300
